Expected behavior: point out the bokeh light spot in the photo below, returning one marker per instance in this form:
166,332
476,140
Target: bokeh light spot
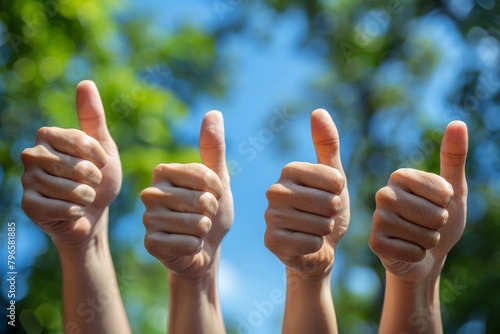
24,70
51,68
88,13
29,322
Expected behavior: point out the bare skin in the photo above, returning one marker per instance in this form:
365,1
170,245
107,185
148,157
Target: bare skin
419,218
71,176
189,209
307,215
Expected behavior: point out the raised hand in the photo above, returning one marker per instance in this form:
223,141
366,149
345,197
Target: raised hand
421,216
189,207
308,208
71,176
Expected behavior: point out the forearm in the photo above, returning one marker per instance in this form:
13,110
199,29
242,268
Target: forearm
411,307
194,305
309,305
91,297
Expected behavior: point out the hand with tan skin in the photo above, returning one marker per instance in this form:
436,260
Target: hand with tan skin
70,178
189,209
419,217
307,215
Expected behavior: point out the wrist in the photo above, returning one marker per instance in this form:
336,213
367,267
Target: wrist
426,290
407,303
309,305
299,281
200,283
195,304
203,284
95,244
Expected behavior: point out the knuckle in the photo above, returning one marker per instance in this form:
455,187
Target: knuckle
26,204
149,244
334,205
291,169
83,142
446,191
160,170
146,196
433,240
85,193
374,242
399,175
26,155
203,227
275,191
207,202
270,216
327,228
338,180
438,219
32,155
208,176
270,241
43,133
86,170
147,219
27,180
381,222
384,196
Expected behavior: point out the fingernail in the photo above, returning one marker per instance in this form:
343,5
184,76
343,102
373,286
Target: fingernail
77,211
449,201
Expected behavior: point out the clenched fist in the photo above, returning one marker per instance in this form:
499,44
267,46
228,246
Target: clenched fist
71,176
308,208
420,216
189,207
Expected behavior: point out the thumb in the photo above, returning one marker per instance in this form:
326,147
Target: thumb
326,139
91,115
453,155
213,146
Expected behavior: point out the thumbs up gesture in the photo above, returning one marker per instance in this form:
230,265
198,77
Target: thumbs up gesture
308,208
420,216
189,207
71,176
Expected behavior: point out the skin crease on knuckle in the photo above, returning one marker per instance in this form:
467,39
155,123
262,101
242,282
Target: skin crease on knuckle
86,171
43,133
399,176
31,156
147,196
271,241
162,172
209,180
385,198
86,145
202,227
275,192
207,204
334,205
